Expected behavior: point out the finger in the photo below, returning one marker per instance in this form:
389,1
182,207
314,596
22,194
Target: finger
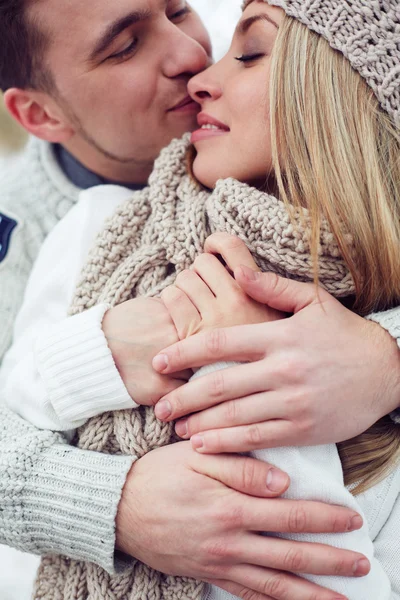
301,557
219,386
196,289
297,516
270,583
237,590
282,294
241,343
215,275
183,312
157,387
243,474
230,415
232,249
246,438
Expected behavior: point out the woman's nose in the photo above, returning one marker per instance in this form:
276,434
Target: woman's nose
204,86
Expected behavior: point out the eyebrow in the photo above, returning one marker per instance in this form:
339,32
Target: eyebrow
115,29
245,25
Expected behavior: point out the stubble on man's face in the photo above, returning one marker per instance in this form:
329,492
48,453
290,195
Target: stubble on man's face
118,99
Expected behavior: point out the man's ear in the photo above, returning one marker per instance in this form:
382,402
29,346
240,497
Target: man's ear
38,114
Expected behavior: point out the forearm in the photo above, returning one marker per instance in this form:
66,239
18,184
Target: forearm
67,377
55,498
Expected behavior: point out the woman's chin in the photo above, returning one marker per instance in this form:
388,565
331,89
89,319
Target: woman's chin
205,174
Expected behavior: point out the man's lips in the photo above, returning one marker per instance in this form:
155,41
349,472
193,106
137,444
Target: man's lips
187,104
209,127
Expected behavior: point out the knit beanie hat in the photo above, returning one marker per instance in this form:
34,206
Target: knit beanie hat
366,32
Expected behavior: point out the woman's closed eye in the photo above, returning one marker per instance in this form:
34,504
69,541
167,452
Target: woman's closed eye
246,58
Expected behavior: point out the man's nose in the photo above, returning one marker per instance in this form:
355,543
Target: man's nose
185,56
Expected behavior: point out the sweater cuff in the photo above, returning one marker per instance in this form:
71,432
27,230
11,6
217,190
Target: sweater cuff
71,501
78,370
57,499
390,320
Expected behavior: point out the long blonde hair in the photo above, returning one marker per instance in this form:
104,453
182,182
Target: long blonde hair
337,153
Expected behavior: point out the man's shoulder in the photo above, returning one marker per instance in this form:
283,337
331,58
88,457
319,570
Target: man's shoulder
34,175
34,193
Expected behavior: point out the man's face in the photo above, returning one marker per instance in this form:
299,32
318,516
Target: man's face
120,67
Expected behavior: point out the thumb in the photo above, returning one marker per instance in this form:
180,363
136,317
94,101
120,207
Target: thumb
282,294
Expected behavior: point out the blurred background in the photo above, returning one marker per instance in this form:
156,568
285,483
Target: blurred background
18,570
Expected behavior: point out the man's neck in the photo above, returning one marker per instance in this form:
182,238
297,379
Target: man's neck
83,177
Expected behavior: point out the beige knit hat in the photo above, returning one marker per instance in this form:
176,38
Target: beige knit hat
366,32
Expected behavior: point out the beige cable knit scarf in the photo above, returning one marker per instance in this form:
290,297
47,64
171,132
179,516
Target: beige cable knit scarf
149,240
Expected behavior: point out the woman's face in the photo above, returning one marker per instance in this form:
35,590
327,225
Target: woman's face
234,139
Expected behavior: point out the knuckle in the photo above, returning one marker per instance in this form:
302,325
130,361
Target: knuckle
176,401
218,549
217,385
215,341
253,436
276,587
298,521
232,412
204,260
184,276
247,594
249,474
295,561
338,522
340,566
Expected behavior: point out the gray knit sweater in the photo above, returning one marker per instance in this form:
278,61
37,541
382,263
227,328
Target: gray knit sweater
53,498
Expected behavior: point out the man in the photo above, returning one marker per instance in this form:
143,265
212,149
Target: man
103,86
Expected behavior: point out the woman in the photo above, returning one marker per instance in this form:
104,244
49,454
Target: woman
320,148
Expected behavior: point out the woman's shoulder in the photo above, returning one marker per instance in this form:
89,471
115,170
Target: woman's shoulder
378,502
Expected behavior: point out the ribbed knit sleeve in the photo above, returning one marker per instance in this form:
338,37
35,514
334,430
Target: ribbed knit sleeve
56,499
390,320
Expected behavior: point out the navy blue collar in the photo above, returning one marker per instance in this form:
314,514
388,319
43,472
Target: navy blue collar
82,177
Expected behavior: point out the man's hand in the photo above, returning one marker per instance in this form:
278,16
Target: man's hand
135,331
322,376
196,515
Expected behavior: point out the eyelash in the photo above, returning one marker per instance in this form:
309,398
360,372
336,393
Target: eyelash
124,53
245,58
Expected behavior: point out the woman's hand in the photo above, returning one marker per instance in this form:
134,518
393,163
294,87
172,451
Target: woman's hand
207,296
323,375
135,331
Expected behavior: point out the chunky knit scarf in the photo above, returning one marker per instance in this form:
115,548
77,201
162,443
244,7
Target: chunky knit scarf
149,240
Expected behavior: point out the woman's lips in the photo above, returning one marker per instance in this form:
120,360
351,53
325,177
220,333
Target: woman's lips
209,128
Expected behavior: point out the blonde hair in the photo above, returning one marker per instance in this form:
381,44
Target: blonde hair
337,153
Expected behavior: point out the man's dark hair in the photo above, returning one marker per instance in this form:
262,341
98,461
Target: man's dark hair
22,48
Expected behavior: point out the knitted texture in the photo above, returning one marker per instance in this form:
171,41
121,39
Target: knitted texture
366,32
150,239
35,193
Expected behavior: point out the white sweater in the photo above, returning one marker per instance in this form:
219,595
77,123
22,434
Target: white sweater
60,372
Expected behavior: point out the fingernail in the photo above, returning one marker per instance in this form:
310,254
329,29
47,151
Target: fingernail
276,480
181,429
250,274
163,410
197,442
160,362
361,567
355,523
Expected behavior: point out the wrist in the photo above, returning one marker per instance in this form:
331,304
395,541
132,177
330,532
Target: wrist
127,520
387,342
